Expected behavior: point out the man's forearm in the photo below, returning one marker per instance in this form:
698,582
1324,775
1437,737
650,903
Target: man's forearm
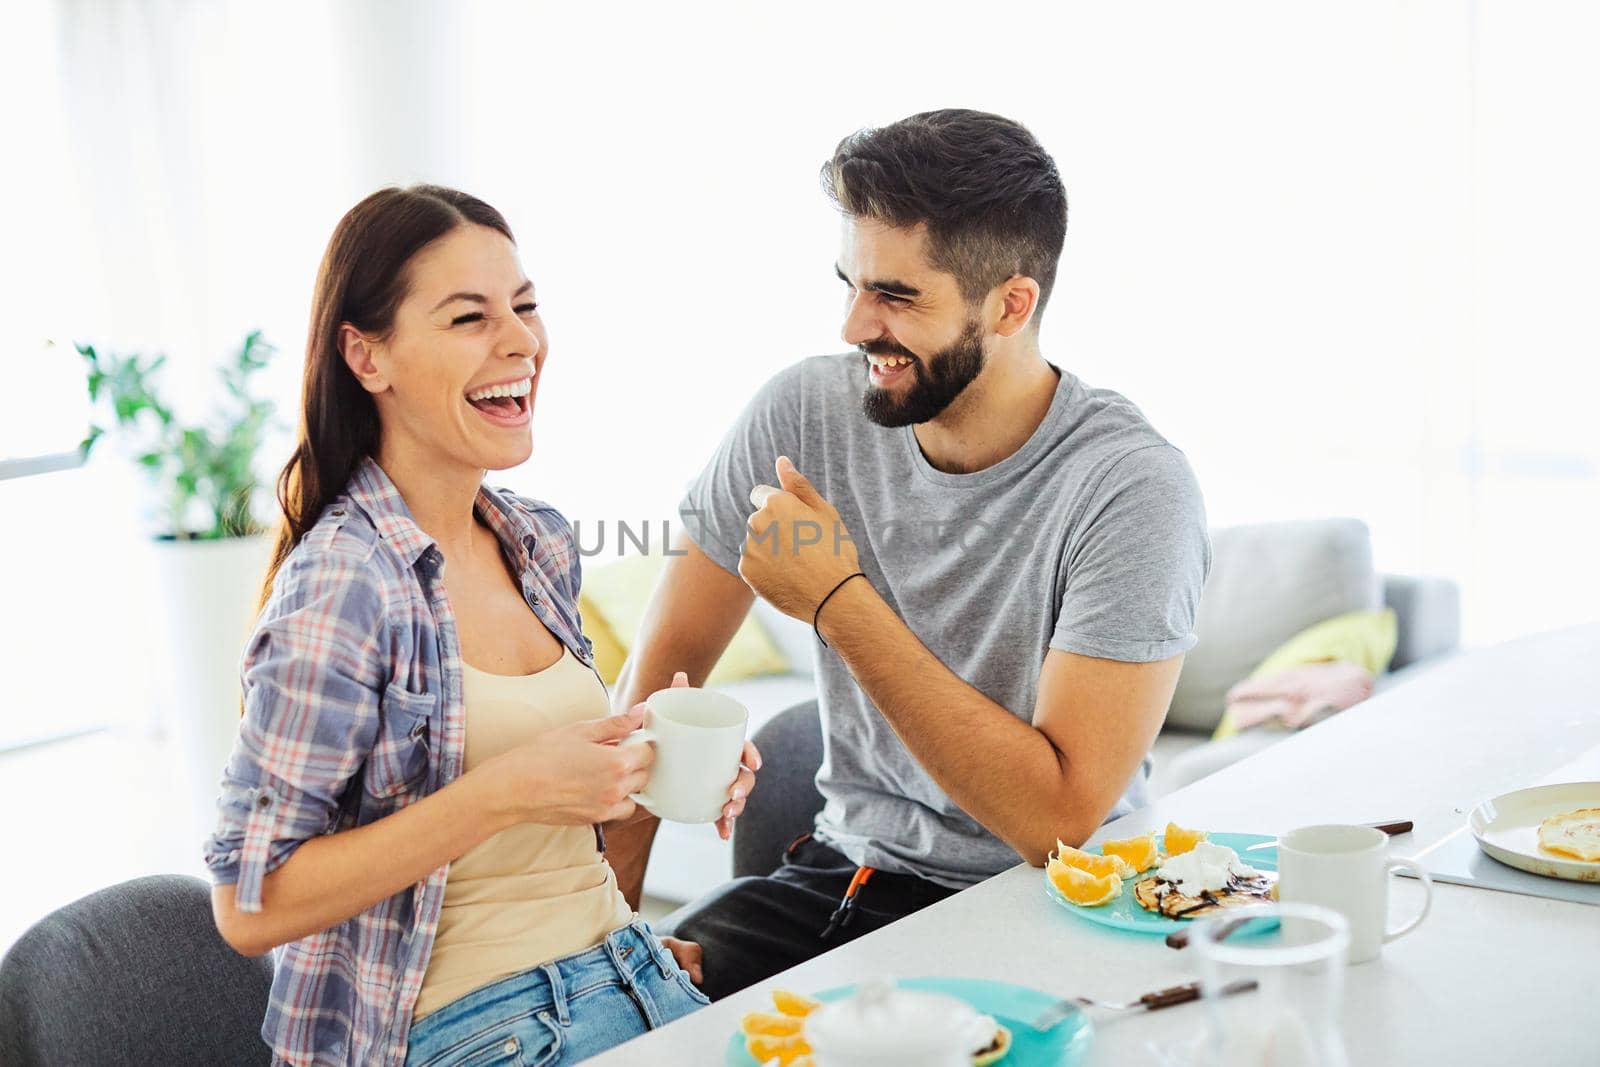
1014,783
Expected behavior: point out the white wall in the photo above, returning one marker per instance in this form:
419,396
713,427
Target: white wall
1341,254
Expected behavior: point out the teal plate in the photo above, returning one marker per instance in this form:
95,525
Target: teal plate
1011,1005
1124,912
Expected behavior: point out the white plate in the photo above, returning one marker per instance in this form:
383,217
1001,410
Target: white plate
1507,828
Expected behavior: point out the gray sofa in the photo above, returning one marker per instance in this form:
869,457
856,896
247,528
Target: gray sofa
1268,582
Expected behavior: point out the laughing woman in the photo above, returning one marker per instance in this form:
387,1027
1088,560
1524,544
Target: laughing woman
412,810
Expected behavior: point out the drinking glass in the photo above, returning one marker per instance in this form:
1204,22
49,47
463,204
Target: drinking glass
1295,953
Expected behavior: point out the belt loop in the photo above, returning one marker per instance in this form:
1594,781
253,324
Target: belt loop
658,951
665,959
558,992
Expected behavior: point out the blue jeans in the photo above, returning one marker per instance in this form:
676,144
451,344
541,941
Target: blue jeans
563,1011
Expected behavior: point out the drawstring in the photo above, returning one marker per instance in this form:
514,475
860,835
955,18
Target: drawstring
847,907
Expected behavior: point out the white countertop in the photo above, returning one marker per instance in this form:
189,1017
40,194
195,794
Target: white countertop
1489,978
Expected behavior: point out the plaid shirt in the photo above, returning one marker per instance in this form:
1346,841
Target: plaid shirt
353,710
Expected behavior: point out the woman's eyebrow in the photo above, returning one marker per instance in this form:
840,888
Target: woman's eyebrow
479,298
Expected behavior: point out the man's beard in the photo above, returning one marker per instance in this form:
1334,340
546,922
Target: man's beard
938,380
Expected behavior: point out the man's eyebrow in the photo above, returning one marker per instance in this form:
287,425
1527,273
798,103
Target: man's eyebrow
478,298
887,286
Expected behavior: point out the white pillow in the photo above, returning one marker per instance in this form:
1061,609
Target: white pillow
1268,582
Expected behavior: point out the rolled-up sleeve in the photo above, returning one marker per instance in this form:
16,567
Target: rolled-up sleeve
1137,566
312,671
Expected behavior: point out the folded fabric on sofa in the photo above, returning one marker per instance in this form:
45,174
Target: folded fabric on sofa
1347,651
1298,695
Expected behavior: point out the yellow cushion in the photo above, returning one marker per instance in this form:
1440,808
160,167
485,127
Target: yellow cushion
1365,638
612,604
608,651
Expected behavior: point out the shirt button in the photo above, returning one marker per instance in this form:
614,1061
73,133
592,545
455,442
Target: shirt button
263,801
337,513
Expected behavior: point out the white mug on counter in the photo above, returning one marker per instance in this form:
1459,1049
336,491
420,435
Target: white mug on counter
1347,868
699,739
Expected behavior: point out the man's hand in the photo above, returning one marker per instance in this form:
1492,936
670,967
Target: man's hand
688,955
797,548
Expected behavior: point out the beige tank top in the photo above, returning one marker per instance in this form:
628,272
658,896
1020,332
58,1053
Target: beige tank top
531,893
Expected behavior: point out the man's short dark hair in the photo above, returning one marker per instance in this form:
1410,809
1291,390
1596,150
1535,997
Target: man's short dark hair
988,192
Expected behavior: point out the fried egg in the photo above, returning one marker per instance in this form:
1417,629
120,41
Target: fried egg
1572,833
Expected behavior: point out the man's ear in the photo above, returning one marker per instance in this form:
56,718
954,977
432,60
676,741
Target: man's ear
358,352
1017,299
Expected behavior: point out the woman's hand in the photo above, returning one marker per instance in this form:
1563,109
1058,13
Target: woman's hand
569,776
749,764
743,782
688,955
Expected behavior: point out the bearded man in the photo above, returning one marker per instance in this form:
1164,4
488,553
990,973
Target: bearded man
1001,563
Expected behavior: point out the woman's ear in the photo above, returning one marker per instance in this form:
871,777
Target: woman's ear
358,353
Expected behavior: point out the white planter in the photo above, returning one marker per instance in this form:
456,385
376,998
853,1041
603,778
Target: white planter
206,591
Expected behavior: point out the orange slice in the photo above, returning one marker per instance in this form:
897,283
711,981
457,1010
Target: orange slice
1178,840
1099,866
760,1022
794,1003
1081,887
785,1050
1140,853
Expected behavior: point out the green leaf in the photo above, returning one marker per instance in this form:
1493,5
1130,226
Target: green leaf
213,462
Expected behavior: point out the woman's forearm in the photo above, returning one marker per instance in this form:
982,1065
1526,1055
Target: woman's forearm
328,879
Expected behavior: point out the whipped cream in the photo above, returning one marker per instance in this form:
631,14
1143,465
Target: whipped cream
1204,867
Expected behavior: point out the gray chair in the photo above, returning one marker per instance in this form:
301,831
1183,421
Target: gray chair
785,802
133,974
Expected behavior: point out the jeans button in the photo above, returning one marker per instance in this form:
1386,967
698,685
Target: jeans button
510,1047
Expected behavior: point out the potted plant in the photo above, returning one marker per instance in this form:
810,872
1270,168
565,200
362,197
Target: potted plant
210,548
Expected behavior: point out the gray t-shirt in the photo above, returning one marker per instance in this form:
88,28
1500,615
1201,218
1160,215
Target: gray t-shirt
1090,538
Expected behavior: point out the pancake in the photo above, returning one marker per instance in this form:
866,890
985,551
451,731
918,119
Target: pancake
1572,833
1156,894
996,1050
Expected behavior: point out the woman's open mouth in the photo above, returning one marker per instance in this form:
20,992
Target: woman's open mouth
505,404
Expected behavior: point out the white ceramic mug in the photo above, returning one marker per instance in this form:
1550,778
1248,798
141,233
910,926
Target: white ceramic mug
699,739
1347,868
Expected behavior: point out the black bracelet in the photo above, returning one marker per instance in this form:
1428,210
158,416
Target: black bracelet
817,614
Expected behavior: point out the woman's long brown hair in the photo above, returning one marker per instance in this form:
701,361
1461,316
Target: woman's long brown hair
362,280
